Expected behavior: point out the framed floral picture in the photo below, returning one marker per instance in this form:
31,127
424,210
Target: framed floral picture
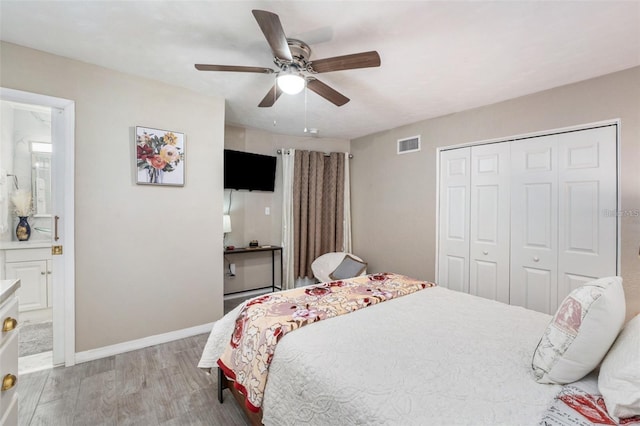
159,157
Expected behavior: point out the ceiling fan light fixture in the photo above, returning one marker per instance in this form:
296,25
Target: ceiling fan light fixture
291,83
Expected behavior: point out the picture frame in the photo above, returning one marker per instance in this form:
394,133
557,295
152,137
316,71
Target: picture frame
160,156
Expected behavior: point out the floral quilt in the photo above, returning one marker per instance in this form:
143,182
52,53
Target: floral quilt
264,320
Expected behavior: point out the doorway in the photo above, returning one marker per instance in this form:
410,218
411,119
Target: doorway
26,162
37,158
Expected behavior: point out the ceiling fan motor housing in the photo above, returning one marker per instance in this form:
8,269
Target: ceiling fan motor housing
301,52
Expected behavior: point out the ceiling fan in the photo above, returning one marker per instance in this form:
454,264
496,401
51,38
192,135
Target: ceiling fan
295,70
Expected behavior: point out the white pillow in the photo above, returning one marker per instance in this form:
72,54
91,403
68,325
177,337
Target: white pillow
619,379
581,332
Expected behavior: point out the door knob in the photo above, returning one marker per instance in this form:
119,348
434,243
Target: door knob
485,253
536,259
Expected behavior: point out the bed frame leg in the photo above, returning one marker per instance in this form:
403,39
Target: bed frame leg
222,381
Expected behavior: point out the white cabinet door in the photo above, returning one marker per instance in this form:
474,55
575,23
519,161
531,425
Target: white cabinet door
534,224
32,293
453,247
587,240
490,228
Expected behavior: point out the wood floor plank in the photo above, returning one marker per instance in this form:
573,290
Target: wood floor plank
164,389
58,412
195,377
136,409
31,386
163,356
59,396
158,385
96,403
206,409
65,382
132,369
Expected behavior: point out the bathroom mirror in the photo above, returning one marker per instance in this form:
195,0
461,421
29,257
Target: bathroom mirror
41,183
26,158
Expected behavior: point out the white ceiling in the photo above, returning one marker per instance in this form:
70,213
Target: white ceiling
437,57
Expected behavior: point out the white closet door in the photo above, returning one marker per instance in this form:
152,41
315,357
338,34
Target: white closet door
587,205
534,224
453,248
490,221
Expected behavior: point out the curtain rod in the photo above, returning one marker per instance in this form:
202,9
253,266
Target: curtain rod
326,154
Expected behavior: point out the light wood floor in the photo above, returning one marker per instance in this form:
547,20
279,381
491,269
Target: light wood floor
159,385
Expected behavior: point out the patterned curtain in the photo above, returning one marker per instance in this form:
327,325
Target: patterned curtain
318,207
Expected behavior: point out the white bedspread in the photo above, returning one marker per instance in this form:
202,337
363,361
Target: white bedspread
435,357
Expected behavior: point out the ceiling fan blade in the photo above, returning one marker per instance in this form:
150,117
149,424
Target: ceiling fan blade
271,97
238,68
326,92
272,29
347,62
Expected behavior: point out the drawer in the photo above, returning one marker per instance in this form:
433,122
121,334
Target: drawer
8,311
10,418
8,365
27,255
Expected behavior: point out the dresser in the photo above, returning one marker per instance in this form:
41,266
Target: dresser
8,352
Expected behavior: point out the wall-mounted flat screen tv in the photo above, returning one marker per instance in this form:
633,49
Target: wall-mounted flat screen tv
246,170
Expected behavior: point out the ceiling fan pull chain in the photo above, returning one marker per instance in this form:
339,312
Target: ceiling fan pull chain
275,96
305,108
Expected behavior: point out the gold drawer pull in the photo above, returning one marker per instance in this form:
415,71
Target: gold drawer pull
9,324
8,382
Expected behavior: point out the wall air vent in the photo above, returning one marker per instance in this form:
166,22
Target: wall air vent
407,145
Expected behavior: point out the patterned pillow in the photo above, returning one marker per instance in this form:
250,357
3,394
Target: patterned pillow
348,268
581,332
619,379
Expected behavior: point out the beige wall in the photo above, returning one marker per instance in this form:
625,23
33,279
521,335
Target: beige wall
143,254
248,219
394,196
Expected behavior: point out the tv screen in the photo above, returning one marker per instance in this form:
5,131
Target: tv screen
245,170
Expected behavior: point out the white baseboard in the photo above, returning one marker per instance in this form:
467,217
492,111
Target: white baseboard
145,342
248,294
38,315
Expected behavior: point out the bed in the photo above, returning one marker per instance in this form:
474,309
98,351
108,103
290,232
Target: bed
435,356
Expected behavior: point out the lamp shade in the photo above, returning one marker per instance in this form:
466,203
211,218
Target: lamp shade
226,223
291,84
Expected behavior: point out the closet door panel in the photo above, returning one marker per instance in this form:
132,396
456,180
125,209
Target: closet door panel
490,206
456,204
484,281
486,208
456,273
539,286
539,217
534,224
572,281
587,203
453,246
